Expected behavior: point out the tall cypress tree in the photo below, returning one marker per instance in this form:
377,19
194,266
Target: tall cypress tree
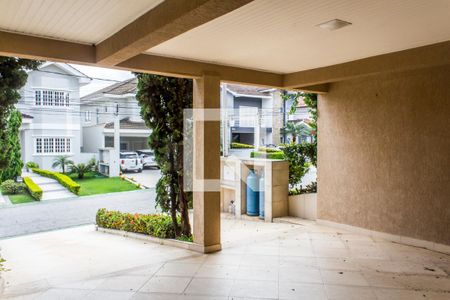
163,100
14,166
13,76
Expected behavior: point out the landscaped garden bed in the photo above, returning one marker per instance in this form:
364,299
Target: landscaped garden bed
93,184
156,228
63,179
16,192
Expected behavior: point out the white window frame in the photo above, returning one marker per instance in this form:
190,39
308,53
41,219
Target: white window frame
87,116
52,145
38,145
38,98
47,97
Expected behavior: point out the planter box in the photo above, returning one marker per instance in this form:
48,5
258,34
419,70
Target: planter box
167,242
303,206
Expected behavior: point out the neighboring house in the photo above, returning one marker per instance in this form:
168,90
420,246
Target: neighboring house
99,110
244,104
50,107
247,108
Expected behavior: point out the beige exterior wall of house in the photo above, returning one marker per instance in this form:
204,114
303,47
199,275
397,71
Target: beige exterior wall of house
384,153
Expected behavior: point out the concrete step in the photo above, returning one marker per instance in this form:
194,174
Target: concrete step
40,180
57,195
51,187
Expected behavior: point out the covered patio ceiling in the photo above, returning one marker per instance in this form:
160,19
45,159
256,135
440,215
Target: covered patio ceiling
263,42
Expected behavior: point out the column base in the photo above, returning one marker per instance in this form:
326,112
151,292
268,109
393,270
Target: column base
205,249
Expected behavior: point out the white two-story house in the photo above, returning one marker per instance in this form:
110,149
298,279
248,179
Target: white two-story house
99,110
50,106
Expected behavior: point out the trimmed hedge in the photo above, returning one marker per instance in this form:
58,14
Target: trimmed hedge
34,190
269,150
241,146
65,180
272,155
157,225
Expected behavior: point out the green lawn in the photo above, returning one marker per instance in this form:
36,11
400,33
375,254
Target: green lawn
93,184
25,197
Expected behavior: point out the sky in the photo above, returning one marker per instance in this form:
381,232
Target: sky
103,77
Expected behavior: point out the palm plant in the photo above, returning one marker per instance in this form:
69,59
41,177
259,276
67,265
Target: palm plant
80,169
297,129
62,161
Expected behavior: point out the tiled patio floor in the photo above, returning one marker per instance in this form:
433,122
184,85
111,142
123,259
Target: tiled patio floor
259,261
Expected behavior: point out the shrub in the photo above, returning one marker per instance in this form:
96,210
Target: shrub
64,180
298,162
31,165
241,146
34,190
157,225
81,169
11,187
310,188
295,191
273,155
269,150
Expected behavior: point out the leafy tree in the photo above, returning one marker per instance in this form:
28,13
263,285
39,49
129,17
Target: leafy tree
12,77
62,161
162,100
14,165
310,100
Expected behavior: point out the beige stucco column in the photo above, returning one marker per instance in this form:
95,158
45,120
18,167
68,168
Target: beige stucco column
207,164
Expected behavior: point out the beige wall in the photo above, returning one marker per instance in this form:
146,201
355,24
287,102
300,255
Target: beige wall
384,153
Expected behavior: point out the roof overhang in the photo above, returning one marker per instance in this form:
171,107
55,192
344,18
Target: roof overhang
264,43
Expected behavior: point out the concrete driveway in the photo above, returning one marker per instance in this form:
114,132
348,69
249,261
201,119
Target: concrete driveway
56,214
148,177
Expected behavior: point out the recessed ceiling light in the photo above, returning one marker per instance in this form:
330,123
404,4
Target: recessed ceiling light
334,24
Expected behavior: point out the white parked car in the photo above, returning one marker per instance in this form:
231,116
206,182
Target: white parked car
148,158
130,161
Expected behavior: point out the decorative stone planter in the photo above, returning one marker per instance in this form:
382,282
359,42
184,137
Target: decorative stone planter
167,242
303,206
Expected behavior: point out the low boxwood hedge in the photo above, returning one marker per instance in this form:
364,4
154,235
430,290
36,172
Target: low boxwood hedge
271,155
34,190
241,146
157,225
64,180
269,150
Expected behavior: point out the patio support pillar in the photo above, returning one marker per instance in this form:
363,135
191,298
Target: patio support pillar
206,95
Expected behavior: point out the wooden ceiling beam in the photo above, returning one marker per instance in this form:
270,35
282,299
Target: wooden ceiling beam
31,47
421,57
192,69
164,22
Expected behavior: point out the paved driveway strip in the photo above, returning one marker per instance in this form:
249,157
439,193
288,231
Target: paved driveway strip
55,214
